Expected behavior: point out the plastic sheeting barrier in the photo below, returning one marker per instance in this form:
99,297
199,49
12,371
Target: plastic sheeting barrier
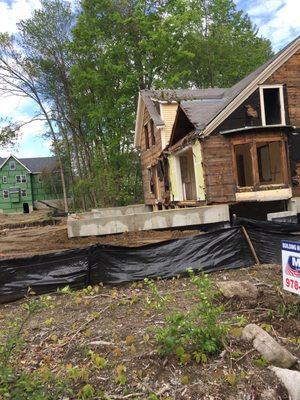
221,249
266,237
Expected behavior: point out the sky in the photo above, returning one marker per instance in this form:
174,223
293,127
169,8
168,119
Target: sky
277,20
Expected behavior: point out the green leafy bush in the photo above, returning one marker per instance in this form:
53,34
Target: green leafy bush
200,330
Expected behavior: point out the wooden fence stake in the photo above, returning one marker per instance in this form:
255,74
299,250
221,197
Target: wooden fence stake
251,245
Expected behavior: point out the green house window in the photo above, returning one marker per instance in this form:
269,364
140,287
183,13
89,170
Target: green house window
21,178
23,193
5,194
12,165
4,179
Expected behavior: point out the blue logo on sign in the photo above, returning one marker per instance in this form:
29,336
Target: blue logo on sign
293,266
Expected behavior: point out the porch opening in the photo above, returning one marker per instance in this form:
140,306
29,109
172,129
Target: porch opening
25,208
187,171
269,163
272,106
244,165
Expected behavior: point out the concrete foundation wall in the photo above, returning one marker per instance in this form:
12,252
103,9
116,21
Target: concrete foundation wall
294,204
118,211
89,225
283,216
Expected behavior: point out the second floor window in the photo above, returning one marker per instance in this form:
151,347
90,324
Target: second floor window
272,105
21,179
4,179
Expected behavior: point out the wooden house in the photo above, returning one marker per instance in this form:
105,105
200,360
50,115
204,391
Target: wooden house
23,183
239,146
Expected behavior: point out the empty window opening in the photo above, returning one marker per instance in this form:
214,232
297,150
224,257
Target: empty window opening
152,132
244,164
153,181
269,163
25,208
188,175
272,107
146,134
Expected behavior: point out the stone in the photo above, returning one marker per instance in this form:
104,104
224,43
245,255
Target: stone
269,394
272,351
240,289
290,379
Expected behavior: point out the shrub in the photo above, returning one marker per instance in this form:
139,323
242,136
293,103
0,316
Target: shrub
200,330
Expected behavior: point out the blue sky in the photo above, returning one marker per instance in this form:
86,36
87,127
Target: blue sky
278,20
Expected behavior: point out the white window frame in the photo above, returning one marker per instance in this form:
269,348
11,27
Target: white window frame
4,179
12,162
23,178
23,191
262,103
5,194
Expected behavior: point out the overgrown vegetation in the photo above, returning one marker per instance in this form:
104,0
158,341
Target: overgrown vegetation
198,332
39,384
108,343
84,69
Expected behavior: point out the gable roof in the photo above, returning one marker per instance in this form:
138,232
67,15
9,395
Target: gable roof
34,165
206,115
234,96
151,99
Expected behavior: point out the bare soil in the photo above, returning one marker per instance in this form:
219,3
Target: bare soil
119,325
29,240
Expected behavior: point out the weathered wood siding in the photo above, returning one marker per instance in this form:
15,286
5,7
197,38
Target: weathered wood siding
149,158
218,163
289,75
218,169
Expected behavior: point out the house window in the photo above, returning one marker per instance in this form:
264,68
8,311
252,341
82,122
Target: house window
5,194
21,178
272,105
259,163
151,181
146,133
23,193
12,165
152,132
244,164
269,163
4,179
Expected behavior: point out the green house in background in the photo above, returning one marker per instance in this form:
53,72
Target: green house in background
26,181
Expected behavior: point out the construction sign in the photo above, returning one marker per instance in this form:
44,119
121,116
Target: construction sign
291,266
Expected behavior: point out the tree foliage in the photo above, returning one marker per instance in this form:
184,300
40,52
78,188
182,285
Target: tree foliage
85,71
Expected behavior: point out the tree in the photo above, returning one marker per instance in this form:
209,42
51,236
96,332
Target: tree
128,45
18,77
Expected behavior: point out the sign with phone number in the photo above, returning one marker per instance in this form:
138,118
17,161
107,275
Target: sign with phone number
291,266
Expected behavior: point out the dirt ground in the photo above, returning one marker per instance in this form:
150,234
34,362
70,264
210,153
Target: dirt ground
119,324
28,240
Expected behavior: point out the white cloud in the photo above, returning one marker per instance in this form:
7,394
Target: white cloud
11,14
278,20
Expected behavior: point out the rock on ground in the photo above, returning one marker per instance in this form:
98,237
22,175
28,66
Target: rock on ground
290,379
272,351
241,289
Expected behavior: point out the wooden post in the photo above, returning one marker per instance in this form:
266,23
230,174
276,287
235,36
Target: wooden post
251,246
